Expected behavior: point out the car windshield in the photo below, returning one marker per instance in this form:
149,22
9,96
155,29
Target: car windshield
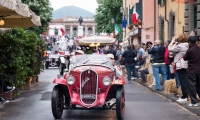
94,59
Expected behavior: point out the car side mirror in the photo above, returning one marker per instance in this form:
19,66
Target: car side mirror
66,70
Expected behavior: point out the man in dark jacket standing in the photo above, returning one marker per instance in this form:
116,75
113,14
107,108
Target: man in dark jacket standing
193,71
158,63
129,62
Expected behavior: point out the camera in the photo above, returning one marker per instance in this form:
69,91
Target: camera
148,46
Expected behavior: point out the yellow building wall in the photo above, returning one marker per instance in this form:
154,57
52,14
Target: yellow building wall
178,8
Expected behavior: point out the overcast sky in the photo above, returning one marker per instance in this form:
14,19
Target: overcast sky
89,5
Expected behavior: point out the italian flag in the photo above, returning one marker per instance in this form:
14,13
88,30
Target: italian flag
135,16
117,30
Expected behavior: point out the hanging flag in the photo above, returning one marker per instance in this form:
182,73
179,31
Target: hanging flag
135,16
117,29
124,22
63,31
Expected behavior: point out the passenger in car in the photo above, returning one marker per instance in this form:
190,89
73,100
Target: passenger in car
118,70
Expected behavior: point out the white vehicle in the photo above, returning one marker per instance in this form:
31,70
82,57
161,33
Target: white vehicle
52,61
61,41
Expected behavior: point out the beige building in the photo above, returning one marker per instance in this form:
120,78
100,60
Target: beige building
171,19
192,16
71,24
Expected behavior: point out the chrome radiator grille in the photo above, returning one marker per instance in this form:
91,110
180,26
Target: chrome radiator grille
88,86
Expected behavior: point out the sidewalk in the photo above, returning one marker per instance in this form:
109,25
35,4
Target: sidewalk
195,110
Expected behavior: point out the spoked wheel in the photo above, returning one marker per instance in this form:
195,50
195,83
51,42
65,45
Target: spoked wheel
57,102
120,103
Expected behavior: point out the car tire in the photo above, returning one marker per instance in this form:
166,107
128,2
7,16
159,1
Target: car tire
67,101
120,103
57,102
47,65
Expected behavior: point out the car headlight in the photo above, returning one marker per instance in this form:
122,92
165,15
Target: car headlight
107,81
70,80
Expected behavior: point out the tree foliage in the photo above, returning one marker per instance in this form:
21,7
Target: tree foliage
19,55
43,9
108,9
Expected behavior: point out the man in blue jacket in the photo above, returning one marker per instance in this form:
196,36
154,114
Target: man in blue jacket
129,62
158,63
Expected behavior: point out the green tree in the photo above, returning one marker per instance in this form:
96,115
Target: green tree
108,9
43,9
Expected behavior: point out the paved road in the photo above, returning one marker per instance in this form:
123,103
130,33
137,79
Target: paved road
141,104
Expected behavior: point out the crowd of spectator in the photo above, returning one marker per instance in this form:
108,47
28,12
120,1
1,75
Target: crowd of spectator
178,58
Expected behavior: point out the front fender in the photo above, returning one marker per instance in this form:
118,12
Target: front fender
61,81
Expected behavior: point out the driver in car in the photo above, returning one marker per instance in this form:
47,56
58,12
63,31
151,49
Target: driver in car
79,52
72,59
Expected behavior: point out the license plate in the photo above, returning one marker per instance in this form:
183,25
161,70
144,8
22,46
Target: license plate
89,96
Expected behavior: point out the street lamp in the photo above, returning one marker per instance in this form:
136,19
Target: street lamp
121,9
113,20
2,22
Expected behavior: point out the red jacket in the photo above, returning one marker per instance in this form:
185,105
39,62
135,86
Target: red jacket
166,56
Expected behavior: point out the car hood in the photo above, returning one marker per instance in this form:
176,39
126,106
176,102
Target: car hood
98,69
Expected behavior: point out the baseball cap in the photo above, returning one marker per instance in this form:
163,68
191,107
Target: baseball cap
192,39
80,51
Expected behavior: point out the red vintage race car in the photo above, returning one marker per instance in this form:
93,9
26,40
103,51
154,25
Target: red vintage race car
93,82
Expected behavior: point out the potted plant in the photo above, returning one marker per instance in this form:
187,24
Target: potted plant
139,22
130,27
136,25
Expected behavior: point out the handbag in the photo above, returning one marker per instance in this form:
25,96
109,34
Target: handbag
171,67
174,71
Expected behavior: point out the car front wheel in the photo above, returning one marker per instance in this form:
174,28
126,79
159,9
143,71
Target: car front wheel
57,102
120,103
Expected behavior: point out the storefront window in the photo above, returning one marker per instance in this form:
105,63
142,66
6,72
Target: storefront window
56,32
161,29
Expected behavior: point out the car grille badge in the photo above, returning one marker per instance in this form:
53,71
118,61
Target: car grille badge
85,81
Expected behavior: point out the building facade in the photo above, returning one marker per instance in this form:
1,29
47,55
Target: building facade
146,31
192,16
171,19
70,25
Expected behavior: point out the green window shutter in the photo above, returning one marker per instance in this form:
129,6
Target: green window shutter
130,15
195,17
159,2
141,11
137,8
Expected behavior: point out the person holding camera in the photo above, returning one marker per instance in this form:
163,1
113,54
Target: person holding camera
149,45
158,63
178,48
